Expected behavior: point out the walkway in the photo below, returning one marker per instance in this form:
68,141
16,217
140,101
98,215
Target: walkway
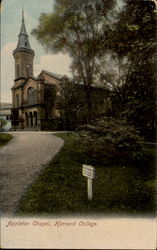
22,159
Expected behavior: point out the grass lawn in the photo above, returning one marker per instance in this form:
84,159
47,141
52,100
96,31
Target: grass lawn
4,138
61,189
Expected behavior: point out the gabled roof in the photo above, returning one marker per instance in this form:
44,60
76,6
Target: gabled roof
54,75
24,82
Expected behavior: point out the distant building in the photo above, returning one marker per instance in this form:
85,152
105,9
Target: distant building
5,114
5,111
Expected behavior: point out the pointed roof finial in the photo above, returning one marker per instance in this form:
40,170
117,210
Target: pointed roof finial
22,13
23,29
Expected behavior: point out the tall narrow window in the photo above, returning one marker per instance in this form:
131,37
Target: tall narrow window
27,70
17,100
17,70
31,96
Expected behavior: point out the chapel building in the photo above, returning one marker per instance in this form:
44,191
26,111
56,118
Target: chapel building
49,101
29,93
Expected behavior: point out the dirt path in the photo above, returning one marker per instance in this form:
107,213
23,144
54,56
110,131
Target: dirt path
21,161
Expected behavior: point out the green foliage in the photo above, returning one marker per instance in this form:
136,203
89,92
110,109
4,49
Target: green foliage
4,138
110,142
90,31
61,189
76,28
49,100
73,106
133,36
134,30
2,123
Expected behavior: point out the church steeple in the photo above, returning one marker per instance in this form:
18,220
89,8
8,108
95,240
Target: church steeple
23,41
23,54
23,28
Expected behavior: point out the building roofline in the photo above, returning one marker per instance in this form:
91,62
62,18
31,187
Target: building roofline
51,74
23,49
25,81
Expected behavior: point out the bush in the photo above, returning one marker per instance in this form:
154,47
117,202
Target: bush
109,142
2,123
4,138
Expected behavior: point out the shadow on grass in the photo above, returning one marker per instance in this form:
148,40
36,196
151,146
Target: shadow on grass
62,190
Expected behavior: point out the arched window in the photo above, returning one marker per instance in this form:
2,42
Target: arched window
30,96
31,119
26,119
35,118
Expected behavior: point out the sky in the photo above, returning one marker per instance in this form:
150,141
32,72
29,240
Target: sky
11,19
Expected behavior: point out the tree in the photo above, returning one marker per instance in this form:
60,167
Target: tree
49,100
75,27
113,72
72,104
134,36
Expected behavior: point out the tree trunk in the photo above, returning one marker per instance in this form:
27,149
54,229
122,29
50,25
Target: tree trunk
89,103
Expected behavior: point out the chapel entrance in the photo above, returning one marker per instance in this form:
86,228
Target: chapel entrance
35,119
31,121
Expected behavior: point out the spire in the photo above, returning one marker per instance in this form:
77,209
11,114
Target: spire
23,41
22,14
23,28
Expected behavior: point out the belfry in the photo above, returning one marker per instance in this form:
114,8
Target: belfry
31,96
23,54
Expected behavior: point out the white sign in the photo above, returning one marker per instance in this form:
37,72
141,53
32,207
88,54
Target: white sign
88,171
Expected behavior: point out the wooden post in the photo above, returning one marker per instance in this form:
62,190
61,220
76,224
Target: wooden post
90,189
89,172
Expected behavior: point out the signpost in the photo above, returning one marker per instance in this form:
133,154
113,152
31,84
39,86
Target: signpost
89,172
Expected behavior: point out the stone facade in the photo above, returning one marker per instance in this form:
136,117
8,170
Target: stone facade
29,110
29,101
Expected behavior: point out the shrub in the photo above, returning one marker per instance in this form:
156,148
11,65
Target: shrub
2,123
109,142
4,138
